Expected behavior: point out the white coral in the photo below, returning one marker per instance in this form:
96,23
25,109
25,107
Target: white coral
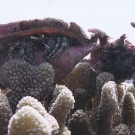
27,120
30,101
62,105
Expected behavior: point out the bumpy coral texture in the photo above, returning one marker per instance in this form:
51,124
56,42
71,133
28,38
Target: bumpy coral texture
79,124
32,118
28,121
107,106
82,82
64,131
101,79
111,106
28,80
117,119
82,76
5,114
123,88
81,99
94,104
121,129
128,112
62,105
121,92
30,101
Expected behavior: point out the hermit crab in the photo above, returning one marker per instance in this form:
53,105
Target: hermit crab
63,45
51,40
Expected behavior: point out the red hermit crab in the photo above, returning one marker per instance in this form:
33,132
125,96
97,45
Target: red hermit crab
63,45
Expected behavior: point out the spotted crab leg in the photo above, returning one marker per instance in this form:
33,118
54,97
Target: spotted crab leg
63,46
52,54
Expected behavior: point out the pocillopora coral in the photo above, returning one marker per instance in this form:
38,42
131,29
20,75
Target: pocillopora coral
5,114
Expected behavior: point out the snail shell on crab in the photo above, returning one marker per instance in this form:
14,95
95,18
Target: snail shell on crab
12,31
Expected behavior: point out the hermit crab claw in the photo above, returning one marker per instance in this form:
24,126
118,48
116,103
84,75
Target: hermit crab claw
50,40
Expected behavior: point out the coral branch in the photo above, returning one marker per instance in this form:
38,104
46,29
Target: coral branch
128,112
121,129
5,114
101,79
30,101
27,120
79,124
62,105
28,80
108,105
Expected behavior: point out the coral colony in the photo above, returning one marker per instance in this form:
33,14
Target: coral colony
48,87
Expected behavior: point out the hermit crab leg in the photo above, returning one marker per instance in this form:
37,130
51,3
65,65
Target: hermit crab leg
29,53
46,49
63,46
11,49
52,54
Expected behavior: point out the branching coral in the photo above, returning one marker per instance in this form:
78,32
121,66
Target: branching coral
121,129
64,131
108,105
123,88
82,76
117,119
39,121
5,114
105,110
112,109
101,79
62,105
81,99
30,101
105,107
79,124
28,121
82,82
121,92
128,112
46,123
28,80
